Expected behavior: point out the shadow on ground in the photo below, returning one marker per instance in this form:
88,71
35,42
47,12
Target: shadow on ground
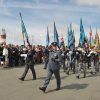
72,86
75,86
93,75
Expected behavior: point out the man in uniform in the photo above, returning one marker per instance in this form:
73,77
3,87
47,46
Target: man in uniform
54,65
29,64
82,63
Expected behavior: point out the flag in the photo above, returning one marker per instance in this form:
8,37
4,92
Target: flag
61,42
88,40
24,32
68,37
47,37
56,37
71,38
96,40
91,38
82,39
62,39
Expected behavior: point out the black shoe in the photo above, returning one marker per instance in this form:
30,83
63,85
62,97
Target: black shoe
22,79
95,72
84,76
67,73
77,77
57,89
91,72
34,78
42,88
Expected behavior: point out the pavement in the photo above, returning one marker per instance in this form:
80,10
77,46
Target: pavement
11,88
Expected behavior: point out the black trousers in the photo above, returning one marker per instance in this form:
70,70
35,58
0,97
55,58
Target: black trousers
31,67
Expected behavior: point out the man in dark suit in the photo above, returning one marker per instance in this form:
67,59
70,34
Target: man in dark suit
29,64
54,65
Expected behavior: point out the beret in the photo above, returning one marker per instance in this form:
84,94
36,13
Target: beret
54,44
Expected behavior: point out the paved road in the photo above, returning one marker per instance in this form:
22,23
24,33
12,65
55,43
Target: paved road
72,89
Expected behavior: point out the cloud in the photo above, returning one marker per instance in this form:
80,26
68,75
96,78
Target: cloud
1,3
39,5
87,2
5,11
55,1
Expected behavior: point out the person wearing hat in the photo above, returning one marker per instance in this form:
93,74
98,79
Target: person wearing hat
82,63
29,64
54,64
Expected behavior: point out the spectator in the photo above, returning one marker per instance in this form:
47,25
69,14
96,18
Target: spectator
5,54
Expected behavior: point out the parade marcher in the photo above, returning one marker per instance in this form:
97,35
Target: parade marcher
88,58
74,61
70,62
82,63
63,58
54,65
29,64
94,61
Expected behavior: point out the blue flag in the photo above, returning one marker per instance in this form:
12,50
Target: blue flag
47,37
24,32
68,38
71,38
56,37
82,34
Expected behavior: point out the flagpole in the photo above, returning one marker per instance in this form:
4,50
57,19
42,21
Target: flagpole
22,32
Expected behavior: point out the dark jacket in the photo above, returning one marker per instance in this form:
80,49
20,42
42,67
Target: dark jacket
30,57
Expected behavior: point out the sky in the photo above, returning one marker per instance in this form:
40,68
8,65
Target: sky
38,14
